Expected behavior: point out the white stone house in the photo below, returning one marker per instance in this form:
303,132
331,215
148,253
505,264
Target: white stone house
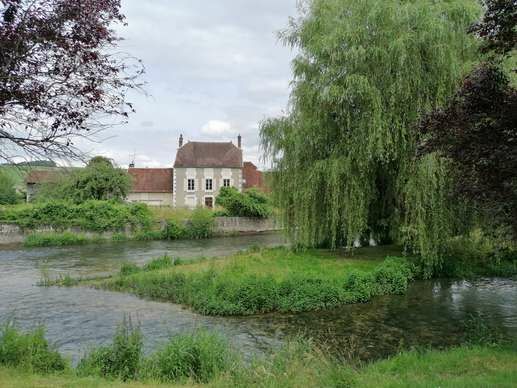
201,169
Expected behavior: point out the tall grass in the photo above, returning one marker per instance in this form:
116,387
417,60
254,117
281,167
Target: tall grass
30,351
58,239
201,358
121,359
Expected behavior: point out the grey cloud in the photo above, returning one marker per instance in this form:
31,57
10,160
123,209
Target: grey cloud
206,61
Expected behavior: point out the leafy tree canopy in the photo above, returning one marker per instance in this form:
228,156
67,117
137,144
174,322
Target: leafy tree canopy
477,130
365,72
7,191
251,203
99,180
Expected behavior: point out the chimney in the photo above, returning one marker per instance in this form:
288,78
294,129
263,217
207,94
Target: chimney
181,140
239,141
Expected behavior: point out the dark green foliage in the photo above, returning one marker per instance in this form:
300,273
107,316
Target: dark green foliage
56,239
30,351
478,254
251,203
129,269
8,194
200,225
120,360
97,216
149,235
174,230
99,180
199,356
160,263
212,294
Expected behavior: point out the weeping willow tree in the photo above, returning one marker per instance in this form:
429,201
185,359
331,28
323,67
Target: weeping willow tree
365,72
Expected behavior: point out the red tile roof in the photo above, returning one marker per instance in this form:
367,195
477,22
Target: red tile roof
151,180
210,155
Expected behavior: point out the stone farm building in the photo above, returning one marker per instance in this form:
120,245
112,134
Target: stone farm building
201,169
199,172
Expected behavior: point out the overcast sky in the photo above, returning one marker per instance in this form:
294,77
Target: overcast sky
214,69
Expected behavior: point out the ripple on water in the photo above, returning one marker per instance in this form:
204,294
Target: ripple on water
431,313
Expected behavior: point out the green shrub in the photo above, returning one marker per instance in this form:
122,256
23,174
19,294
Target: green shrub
200,225
160,263
29,351
129,269
8,194
97,216
119,237
55,239
251,203
480,254
199,356
120,360
174,230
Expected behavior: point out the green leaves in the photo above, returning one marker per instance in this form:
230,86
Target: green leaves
365,72
251,203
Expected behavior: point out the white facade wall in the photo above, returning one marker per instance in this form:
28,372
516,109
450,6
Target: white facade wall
152,199
185,198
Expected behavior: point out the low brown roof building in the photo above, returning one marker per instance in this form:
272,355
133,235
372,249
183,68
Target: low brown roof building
153,186
152,180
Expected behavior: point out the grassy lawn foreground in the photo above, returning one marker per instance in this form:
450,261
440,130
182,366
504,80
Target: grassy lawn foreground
266,280
460,367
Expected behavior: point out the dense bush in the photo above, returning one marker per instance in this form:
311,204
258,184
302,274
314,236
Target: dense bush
8,194
212,292
199,356
100,180
251,203
200,225
30,351
479,254
98,216
120,360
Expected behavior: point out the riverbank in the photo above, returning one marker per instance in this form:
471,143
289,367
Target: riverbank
66,224
297,364
264,280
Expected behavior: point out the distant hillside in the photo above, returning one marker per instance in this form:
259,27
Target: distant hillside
18,172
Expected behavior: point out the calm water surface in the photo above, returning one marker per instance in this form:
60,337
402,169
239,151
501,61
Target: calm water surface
432,313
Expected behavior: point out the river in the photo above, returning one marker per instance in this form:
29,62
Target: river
431,313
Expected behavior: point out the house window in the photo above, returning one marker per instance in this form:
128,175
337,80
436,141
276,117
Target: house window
209,184
191,184
226,183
